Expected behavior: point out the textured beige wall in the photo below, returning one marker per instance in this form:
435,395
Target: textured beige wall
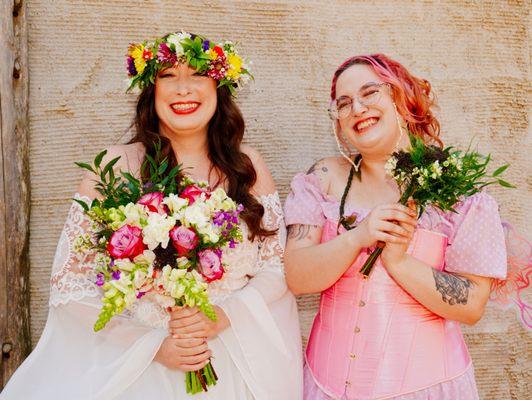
475,53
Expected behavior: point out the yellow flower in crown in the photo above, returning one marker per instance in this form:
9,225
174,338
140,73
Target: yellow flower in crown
140,55
235,66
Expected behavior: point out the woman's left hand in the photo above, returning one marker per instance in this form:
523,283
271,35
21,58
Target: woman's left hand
394,254
190,322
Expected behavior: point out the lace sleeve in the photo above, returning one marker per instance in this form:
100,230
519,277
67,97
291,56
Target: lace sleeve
73,274
271,248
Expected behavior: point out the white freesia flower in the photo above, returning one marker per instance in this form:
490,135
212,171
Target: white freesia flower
157,230
175,203
124,264
210,232
390,166
135,214
146,258
197,214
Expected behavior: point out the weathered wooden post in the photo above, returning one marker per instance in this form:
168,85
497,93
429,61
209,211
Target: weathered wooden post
14,188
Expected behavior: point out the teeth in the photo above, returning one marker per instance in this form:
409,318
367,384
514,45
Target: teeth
184,107
366,123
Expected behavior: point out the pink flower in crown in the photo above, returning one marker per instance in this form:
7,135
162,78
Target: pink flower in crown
126,242
153,201
210,265
185,240
192,192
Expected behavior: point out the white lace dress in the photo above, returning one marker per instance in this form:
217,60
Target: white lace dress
258,357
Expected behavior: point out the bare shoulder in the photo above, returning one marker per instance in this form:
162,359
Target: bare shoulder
327,171
131,156
265,183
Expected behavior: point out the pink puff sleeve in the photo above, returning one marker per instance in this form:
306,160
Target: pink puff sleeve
477,245
304,203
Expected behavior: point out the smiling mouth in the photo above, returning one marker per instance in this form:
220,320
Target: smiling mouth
184,108
364,125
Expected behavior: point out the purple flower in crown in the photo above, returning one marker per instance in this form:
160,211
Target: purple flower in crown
116,274
165,55
140,294
206,45
232,244
131,70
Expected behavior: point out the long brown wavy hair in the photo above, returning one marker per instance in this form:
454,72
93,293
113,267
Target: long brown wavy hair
225,133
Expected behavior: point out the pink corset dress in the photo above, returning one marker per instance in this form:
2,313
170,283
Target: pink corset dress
370,339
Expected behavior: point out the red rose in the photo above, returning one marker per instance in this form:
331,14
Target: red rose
126,242
210,265
184,240
153,201
191,192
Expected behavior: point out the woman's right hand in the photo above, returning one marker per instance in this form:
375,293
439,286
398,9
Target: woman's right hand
381,224
190,354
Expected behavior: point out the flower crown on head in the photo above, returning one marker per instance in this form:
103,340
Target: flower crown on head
218,61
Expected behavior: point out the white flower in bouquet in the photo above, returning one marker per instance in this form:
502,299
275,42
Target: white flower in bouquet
175,203
157,230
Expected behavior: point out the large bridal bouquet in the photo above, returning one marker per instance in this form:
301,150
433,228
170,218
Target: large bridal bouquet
428,175
164,236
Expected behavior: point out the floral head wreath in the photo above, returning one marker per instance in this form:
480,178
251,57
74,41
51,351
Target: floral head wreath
218,61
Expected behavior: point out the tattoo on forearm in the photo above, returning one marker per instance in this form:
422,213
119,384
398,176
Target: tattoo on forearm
298,231
454,289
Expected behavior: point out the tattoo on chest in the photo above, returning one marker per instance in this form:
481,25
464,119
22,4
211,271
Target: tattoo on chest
298,231
454,289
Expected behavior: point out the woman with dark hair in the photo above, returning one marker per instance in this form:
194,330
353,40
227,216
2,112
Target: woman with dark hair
396,334
186,106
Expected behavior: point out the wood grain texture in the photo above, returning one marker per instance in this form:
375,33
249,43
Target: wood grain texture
15,334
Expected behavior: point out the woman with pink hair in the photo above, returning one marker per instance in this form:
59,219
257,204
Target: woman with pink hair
395,335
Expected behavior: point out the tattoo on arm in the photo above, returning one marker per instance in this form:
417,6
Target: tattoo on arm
317,166
454,289
299,231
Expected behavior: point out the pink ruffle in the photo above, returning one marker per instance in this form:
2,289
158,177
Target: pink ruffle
462,387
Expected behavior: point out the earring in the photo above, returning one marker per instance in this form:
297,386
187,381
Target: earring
342,152
401,129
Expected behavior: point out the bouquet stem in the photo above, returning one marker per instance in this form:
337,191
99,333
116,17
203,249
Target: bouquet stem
368,265
198,381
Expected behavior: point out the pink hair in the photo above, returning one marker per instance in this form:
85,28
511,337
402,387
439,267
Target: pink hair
412,96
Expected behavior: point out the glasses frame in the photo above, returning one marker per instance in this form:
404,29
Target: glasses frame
334,115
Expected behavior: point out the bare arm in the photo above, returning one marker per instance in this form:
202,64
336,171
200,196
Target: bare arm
312,266
460,297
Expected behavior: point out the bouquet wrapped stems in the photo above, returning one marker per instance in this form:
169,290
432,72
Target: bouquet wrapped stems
198,381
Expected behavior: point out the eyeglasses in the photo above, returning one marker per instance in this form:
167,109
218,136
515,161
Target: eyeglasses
341,107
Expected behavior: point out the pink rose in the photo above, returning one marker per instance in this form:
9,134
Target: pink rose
191,192
210,265
153,202
126,242
184,240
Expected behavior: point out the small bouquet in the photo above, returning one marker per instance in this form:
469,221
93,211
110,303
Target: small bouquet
165,236
431,176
